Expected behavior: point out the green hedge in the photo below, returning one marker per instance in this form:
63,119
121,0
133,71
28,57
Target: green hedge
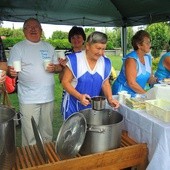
10,42
57,43
60,44
155,62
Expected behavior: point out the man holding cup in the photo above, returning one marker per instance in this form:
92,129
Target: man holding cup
35,83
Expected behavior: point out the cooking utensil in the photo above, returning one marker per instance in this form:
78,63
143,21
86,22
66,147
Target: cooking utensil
104,129
71,136
39,140
89,131
7,138
97,102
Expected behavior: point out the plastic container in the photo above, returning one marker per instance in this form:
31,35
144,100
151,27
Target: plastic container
135,103
159,108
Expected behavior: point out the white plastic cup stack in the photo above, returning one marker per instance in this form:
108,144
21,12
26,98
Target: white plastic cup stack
121,96
126,96
17,65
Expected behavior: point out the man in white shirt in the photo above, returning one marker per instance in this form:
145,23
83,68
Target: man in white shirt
35,83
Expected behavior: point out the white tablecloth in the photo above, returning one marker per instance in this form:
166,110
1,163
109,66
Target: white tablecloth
144,128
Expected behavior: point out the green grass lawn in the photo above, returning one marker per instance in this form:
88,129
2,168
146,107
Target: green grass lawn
116,61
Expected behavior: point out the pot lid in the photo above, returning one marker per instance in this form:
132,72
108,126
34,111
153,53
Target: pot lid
39,140
71,136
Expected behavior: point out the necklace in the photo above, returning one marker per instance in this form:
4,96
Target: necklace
141,57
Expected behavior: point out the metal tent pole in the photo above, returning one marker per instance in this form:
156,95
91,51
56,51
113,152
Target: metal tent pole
124,40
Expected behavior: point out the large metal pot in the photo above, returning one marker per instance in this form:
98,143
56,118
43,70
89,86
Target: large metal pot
103,130
7,138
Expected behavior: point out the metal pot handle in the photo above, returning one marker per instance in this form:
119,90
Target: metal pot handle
89,99
19,117
94,129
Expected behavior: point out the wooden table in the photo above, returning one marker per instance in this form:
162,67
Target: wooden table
130,154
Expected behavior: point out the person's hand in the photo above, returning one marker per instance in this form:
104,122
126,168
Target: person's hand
11,71
50,68
152,80
2,77
113,103
62,61
84,99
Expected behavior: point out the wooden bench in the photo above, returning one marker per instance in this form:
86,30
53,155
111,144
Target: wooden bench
130,154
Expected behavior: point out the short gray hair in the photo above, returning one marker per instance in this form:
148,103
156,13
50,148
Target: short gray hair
97,37
30,19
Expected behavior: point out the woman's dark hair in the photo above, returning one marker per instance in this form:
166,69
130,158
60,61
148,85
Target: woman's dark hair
76,31
138,38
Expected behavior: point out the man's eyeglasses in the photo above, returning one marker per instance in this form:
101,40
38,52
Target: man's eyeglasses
32,27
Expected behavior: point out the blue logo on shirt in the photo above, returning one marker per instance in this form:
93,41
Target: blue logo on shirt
44,54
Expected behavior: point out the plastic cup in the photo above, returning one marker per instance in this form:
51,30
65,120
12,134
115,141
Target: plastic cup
123,92
61,55
46,63
120,97
126,96
17,65
1,72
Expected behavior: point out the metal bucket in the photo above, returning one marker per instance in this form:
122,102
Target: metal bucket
7,138
104,130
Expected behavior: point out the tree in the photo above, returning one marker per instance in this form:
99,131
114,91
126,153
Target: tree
114,39
59,35
160,36
14,33
129,37
111,39
7,32
13,36
17,33
88,31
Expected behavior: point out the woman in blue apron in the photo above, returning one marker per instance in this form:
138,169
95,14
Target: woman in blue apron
86,74
136,69
163,70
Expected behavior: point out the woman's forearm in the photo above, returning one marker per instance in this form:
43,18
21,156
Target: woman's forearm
136,87
71,90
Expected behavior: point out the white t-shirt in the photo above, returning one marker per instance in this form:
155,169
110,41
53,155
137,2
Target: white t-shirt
35,85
